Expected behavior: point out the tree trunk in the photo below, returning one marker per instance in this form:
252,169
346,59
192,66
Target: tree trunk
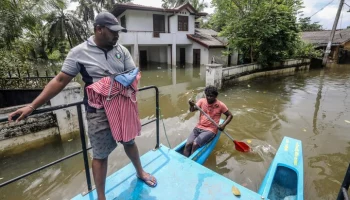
251,54
87,30
70,42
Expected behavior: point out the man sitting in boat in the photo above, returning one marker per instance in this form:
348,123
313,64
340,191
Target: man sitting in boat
205,130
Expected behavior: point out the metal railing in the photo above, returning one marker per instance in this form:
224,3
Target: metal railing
82,138
343,192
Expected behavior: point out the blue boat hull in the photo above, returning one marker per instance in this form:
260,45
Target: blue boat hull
201,154
285,176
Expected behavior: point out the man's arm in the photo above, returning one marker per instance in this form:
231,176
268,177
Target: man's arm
227,121
55,86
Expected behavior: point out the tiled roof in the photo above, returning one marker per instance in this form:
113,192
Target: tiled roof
208,38
320,38
119,8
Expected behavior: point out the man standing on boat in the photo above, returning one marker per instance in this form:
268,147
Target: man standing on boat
98,57
205,130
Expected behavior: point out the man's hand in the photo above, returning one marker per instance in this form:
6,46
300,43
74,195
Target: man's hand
22,113
192,105
51,89
222,127
191,102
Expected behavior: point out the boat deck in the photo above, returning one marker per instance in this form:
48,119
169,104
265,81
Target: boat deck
178,178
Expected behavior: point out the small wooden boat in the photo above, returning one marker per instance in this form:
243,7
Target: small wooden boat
284,179
202,153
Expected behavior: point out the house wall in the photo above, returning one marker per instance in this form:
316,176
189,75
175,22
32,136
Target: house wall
220,58
347,45
189,54
204,53
163,54
174,19
137,20
156,54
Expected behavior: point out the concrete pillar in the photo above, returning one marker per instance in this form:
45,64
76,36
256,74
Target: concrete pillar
136,50
67,118
214,75
173,50
169,54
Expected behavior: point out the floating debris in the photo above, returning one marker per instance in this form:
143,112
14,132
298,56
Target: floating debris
304,130
236,191
244,106
248,85
70,140
347,121
249,141
1,178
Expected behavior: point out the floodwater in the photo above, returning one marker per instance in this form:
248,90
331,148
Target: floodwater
311,106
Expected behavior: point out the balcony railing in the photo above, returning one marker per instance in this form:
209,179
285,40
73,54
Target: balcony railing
82,138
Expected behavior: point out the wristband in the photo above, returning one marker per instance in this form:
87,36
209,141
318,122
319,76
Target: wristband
31,107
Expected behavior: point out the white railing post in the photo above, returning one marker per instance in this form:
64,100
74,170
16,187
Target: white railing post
214,75
67,118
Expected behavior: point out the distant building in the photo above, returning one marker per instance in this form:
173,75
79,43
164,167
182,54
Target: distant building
340,50
169,36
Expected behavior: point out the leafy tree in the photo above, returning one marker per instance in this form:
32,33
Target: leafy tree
63,25
109,4
169,3
15,16
199,5
306,25
264,30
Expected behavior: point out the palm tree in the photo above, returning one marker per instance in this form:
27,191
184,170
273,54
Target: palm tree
86,10
63,24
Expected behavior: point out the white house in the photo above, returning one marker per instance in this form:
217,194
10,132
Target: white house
169,36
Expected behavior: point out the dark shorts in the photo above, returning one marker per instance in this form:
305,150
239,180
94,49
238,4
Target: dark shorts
100,135
201,137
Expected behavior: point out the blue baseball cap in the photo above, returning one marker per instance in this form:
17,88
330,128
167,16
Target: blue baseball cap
108,20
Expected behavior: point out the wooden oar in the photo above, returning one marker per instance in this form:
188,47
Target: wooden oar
240,146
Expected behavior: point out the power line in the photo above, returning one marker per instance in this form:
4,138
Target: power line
321,9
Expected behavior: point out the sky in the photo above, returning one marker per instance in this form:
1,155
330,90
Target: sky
325,17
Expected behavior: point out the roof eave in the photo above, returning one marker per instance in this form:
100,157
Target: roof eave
189,36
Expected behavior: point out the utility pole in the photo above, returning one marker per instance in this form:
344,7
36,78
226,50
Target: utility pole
329,45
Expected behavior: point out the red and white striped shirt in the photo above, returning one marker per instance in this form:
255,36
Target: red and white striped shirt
120,106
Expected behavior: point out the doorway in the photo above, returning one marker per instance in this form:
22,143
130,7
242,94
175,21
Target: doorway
182,56
196,57
143,58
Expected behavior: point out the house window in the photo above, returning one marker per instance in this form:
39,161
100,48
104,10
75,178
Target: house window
158,25
182,23
123,21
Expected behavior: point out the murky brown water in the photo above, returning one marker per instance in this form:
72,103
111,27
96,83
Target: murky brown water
311,106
